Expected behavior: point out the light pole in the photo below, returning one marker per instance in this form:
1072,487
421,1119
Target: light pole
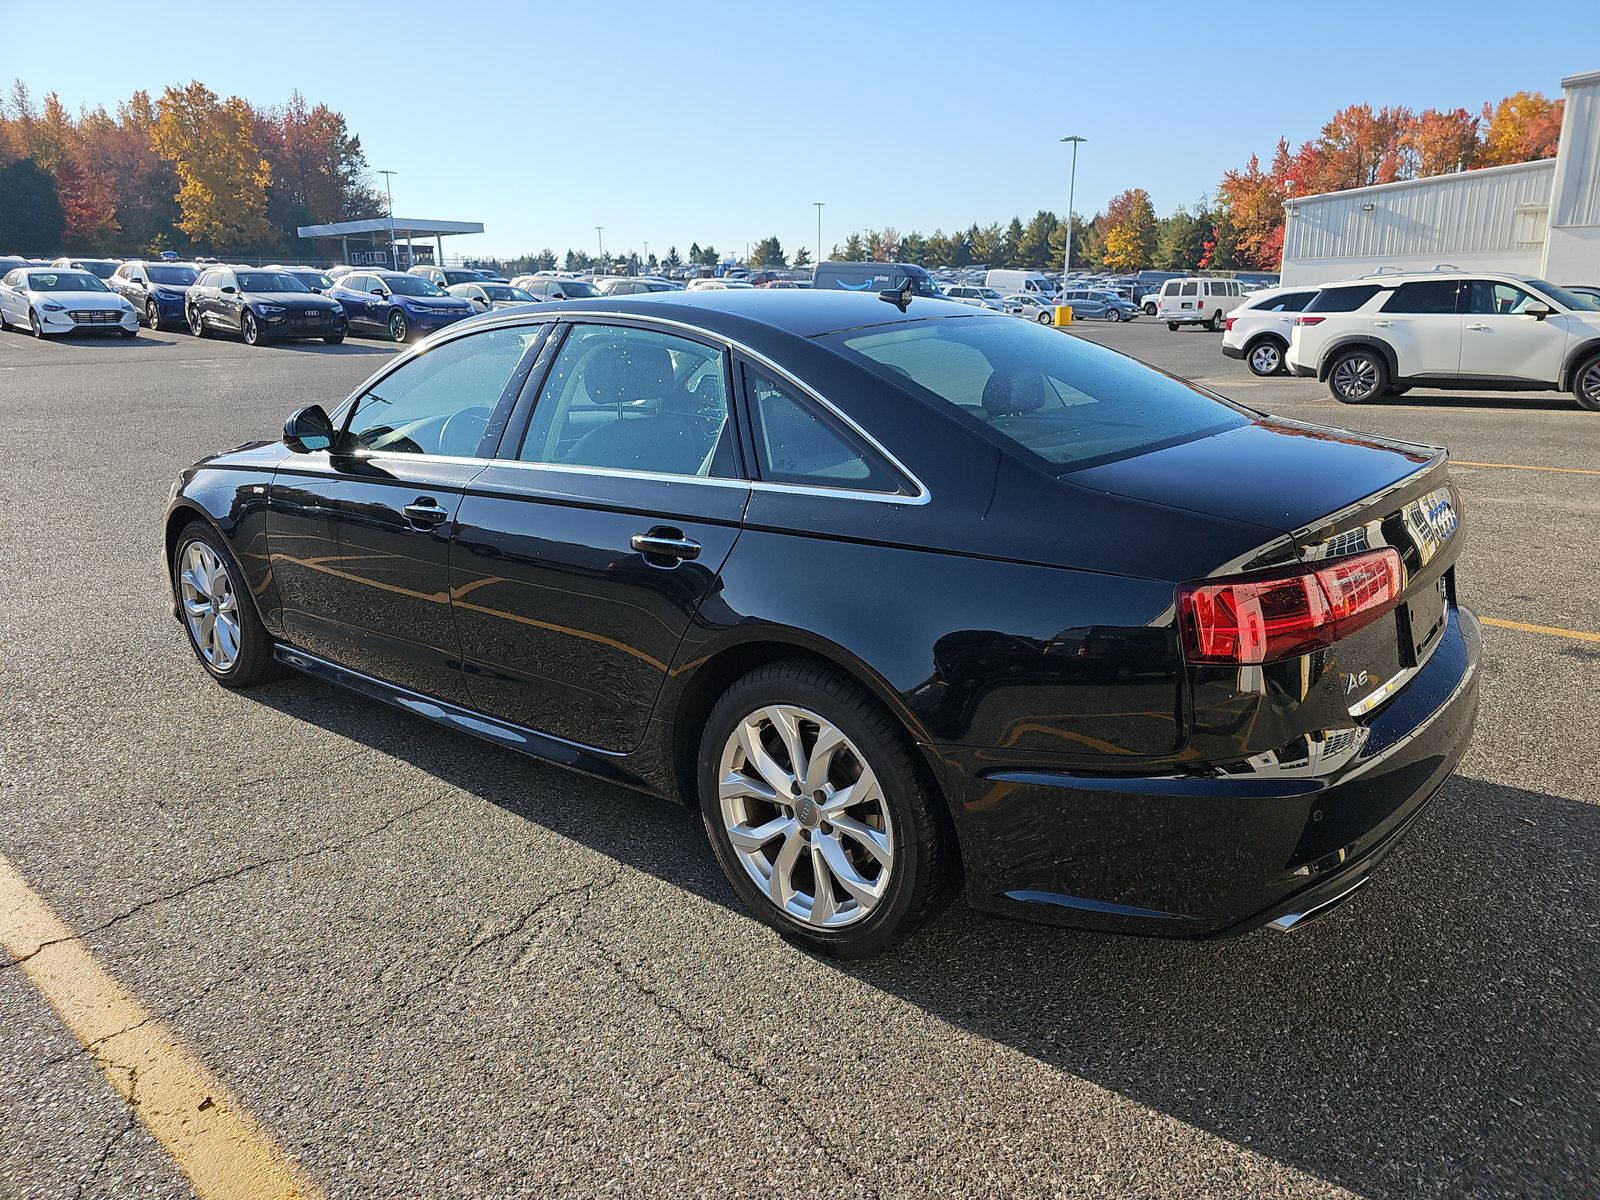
389,196
819,204
1072,187
599,236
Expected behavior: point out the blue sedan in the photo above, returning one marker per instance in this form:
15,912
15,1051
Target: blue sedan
396,305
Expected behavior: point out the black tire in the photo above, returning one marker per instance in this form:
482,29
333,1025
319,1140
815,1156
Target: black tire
197,327
1358,375
1114,314
399,328
152,316
1150,310
254,663
1214,322
1586,384
333,339
129,333
1264,356
249,328
1046,317
1172,325
923,866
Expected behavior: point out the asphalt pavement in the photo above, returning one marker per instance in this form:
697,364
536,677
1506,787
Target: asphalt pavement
429,967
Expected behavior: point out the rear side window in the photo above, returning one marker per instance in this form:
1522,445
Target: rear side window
797,444
1188,289
1342,299
1424,296
1064,400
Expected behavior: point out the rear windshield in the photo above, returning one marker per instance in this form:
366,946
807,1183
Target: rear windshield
1342,299
1067,401
578,289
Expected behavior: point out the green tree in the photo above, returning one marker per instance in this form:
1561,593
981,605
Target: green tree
802,257
672,259
913,248
577,260
767,253
1033,247
988,244
1012,244
1181,242
706,256
855,250
31,217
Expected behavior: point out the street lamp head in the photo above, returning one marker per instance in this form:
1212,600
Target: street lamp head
1074,138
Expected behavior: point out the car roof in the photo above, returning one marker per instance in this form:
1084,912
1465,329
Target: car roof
743,314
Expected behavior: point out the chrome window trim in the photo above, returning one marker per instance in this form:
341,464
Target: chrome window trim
486,322
620,473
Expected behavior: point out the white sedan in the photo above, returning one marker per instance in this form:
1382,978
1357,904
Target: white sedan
48,300
485,296
1032,308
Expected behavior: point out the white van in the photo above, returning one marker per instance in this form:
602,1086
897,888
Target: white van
1198,302
1023,283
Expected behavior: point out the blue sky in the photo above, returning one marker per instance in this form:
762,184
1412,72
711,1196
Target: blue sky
722,122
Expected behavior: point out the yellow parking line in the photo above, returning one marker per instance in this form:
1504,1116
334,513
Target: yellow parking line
186,1108
1461,462
1553,630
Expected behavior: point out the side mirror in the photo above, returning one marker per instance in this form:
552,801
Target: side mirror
377,291
1537,311
230,291
308,429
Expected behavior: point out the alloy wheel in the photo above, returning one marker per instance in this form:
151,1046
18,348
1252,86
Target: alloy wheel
397,326
196,327
248,329
806,816
1589,386
1265,359
152,316
210,607
1356,377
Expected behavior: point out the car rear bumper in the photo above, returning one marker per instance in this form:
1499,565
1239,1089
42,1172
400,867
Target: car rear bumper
1303,372
1232,351
1205,855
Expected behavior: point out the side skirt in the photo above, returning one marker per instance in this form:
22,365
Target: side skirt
588,760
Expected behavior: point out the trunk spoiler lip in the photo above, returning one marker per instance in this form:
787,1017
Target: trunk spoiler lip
1433,471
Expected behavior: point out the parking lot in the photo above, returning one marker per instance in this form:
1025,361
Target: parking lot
429,967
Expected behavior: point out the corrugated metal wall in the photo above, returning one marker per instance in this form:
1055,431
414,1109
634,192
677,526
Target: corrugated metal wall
1579,202
1472,212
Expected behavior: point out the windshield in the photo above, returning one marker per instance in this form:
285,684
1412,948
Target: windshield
1560,294
500,291
65,281
315,279
100,268
172,276
269,281
989,293
411,285
578,289
1065,400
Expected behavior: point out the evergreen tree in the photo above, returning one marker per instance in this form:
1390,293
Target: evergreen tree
31,217
802,257
1011,254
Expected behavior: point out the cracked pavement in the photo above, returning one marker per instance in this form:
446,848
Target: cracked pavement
431,968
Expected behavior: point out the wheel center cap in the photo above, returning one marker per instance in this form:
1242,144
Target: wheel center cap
805,811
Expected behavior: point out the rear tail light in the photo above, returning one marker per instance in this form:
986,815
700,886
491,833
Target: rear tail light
1309,320
1283,614
1227,325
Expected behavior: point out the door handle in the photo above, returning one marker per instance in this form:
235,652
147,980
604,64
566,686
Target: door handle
1479,328
665,542
425,513
1382,324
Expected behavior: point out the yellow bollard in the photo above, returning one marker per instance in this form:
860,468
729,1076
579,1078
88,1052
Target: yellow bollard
1063,314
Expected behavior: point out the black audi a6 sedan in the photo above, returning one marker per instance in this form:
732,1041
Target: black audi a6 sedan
908,601
260,305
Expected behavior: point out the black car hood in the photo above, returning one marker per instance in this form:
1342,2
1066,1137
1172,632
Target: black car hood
1277,474
305,299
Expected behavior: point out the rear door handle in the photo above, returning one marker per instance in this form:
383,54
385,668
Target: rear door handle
1479,328
425,513
1382,324
664,542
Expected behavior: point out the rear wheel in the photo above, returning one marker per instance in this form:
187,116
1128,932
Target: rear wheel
218,613
1586,385
1214,322
1357,376
1172,325
817,812
1265,357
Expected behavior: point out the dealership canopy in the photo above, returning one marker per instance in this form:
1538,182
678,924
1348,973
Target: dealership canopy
380,231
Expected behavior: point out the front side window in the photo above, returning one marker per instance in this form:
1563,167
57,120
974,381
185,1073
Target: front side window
628,399
797,444
1432,296
1063,400
1490,297
441,402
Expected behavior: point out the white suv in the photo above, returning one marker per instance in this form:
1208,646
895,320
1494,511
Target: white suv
1385,334
1198,302
1258,331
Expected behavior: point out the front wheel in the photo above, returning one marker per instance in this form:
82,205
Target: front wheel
218,613
1113,314
333,339
1265,357
817,811
152,316
35,326
1586,385
1150,310
399,327
1357,376
248,329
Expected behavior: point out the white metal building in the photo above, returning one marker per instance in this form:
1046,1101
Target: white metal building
1538,218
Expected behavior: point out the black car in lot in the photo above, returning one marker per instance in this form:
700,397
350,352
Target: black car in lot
260,304
905,601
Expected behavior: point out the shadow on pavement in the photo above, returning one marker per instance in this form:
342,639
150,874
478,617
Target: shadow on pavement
1436,1035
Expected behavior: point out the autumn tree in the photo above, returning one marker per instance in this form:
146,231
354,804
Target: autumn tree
318,168
1439,143
1254,201
222,174
1361,147
1131,218
1523,127
883,245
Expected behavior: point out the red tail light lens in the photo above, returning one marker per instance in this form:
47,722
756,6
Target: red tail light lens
1265,618
1309,320
1227,324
